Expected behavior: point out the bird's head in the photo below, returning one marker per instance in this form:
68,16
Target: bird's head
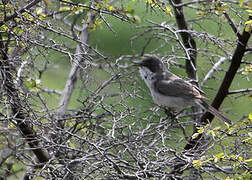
151,63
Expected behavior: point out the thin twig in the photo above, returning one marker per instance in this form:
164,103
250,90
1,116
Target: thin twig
233,26
213,69
241,91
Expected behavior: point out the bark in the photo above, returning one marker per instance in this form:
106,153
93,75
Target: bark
188,41
195,144
191,54
20,115
81,51
72,77
16,13
226,83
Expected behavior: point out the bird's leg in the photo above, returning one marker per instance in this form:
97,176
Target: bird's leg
180,112
171,113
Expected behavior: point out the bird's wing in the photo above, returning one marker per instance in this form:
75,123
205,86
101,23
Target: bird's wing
177,88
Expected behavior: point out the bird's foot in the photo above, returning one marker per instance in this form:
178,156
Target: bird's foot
171,114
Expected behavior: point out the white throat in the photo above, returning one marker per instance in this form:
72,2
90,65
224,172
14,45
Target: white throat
160,99
147,76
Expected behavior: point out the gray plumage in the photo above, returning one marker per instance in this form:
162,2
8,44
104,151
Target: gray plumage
169,90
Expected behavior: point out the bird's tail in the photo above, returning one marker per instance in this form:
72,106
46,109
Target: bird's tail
213,111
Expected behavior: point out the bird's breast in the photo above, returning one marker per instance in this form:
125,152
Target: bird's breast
170,101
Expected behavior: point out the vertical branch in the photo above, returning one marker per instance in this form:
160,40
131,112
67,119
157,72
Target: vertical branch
226,83
188,41
72,77
19,113
191,53
194,144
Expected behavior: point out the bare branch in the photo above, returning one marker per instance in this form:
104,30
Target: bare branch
16,13
188,40
240,91
213,69
223,90
80,53
233,26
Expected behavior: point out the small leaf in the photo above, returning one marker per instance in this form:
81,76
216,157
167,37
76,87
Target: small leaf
248,69
248,28
219,156
110,8
200,13
197,164
201,130
129,9
168,11
250,116
72,145
249,11
39,10
195,135
151,1
248,160
12,125
65,8
248,22
240,158
236,165
249,163
4,28
241,2
137,18
228,178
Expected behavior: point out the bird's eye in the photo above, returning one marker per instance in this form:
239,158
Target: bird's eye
145,77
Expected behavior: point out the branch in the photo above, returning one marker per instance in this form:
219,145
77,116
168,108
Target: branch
20,115
188,40
180,4
226,83
230,74
240,91
213,69
191,62
195,144
16,13
80,52
231,23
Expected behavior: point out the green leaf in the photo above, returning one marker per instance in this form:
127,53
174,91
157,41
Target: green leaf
201,13
65,8
129,9
4,28
220,155
197,164
249,11
248,22
236,165
249,163
248,28
39,10
168,11
137,18
241,2
195,135
201,130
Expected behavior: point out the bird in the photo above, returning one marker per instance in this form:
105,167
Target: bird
169,90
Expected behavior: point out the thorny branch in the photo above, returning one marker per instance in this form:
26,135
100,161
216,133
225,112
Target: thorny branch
114,131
